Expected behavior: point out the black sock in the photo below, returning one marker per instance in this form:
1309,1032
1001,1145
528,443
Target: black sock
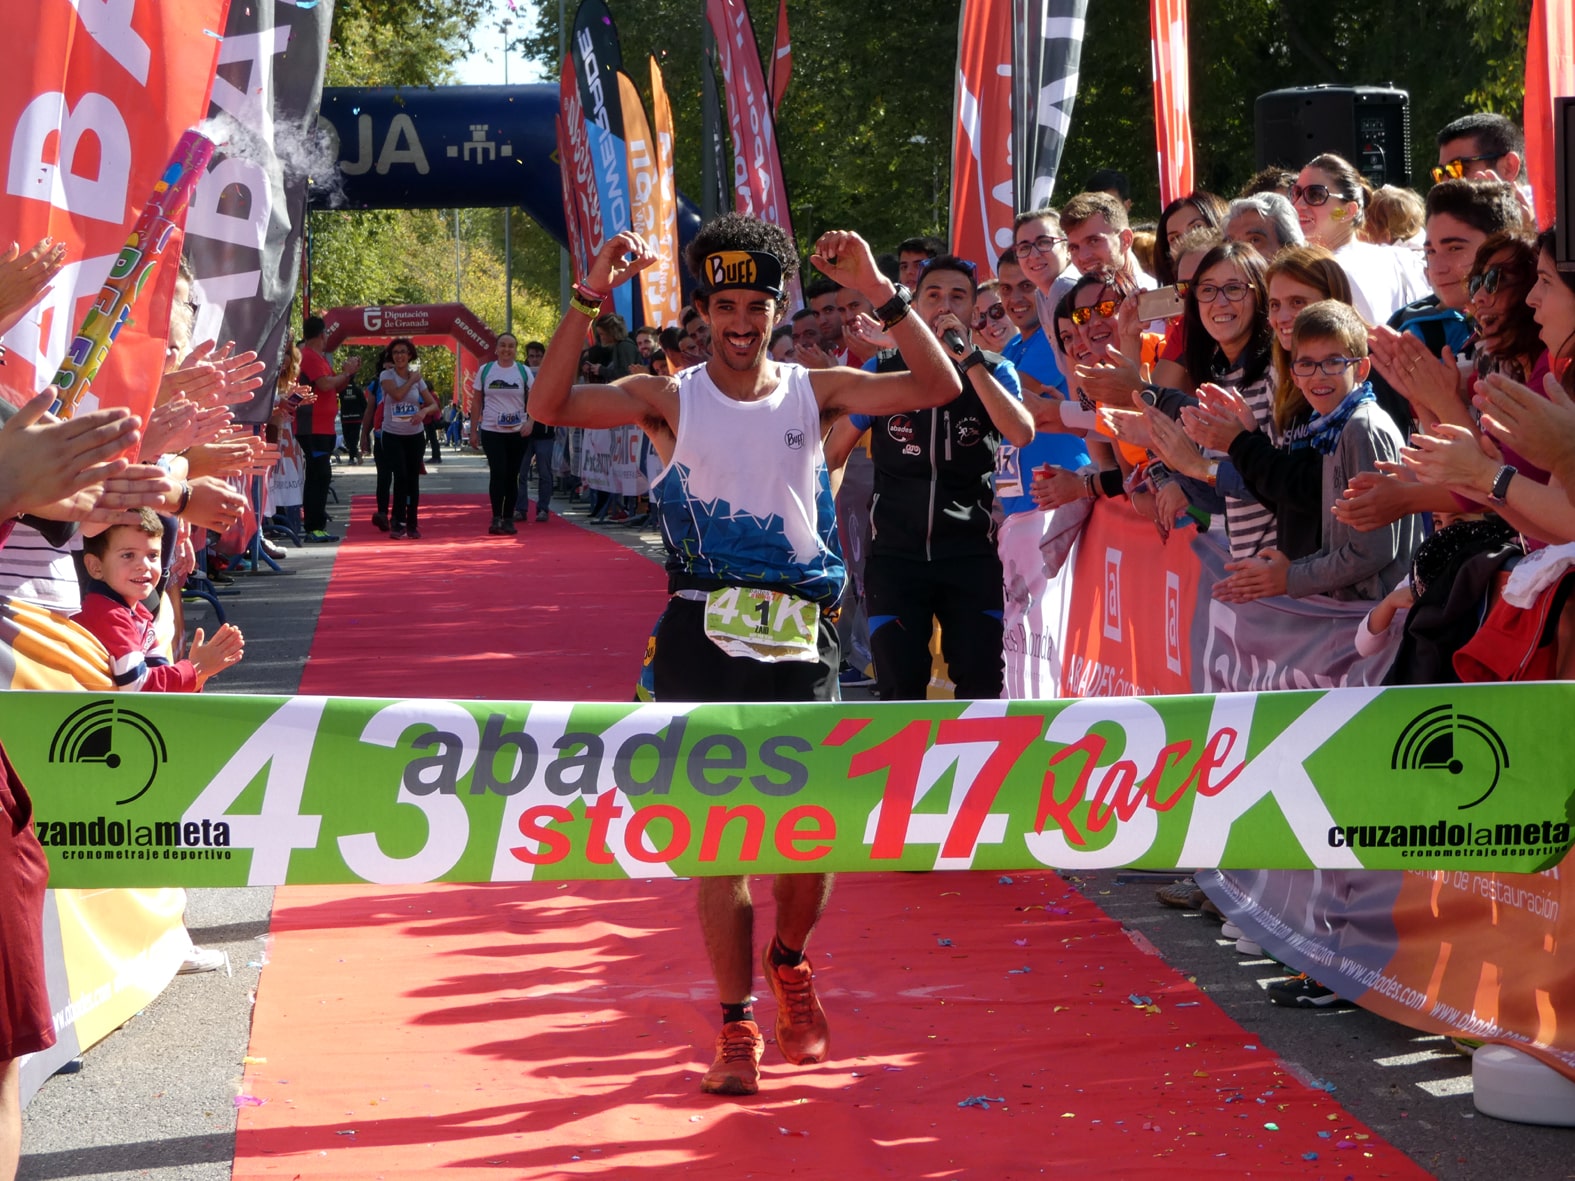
740,1012
787,956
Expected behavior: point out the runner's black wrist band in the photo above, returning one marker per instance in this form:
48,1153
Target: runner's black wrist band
895,308
972,360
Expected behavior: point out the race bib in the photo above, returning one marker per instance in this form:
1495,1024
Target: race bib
762,624
1008,471
513,419
404,410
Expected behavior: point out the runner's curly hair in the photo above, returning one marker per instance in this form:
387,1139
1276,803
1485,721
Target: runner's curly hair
737,231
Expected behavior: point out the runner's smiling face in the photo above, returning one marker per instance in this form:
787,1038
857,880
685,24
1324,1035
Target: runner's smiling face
740,322
508,349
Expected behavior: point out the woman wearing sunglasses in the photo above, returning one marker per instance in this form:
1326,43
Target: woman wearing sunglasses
1195,211
1330,198
992,331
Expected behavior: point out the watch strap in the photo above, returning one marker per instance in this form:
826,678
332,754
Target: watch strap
1500,489
895,308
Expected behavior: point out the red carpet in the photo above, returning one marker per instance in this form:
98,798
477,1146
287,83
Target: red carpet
555,613
556,1031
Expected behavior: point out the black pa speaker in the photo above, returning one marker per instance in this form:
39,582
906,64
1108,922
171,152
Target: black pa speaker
1368,125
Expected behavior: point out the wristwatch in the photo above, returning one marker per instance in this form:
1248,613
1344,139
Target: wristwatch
894,308
1211,476
1500,490
972,360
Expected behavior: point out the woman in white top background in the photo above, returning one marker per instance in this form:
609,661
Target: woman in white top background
1331,198
406,402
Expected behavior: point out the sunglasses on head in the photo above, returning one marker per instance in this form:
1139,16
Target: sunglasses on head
1456,168
994,312
1105,307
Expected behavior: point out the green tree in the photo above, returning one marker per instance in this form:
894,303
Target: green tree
407,256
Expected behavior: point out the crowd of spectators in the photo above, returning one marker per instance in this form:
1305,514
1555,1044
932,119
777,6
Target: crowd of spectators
1370,392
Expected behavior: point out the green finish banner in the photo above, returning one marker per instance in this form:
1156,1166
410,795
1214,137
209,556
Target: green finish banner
213,790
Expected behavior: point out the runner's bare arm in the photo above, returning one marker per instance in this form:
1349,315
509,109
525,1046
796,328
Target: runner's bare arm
931,379
555,400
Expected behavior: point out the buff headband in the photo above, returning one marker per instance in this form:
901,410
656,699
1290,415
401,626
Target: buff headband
753,270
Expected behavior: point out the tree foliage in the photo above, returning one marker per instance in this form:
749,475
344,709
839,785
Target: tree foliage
865,127
400,256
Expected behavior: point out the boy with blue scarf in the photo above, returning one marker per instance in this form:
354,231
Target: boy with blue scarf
1353,434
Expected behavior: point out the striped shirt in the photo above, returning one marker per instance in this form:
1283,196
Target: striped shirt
1250,525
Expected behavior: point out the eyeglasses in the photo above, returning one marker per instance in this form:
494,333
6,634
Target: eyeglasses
1329,366
1043,245
1489,281
1105,307
1310,194
994,312
1235,291
1456,168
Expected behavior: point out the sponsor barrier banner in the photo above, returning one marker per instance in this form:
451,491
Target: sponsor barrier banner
1448,949
203,790
1128,589
1454,944
92,108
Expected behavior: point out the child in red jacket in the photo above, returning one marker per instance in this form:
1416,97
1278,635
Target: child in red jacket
123,565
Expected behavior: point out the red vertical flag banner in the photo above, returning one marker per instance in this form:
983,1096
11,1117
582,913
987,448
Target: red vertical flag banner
758,188
581,206
90,114
781,59
1550,73
983,202
663,280
1172,98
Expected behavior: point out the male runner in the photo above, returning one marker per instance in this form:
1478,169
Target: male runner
745,509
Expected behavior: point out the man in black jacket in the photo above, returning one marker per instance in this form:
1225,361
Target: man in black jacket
933,555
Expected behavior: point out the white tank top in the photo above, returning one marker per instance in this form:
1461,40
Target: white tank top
746,500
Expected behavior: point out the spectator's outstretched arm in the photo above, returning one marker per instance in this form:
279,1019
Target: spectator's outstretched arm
44,460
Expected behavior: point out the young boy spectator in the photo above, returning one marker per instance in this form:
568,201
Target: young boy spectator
123,568
1353,434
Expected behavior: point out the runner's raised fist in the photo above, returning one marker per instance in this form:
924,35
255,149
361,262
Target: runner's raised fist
621,257
845,257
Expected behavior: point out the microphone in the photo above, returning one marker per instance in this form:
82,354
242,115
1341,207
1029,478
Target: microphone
954,341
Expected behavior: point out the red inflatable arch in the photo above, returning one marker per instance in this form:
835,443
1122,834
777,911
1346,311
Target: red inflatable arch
452,325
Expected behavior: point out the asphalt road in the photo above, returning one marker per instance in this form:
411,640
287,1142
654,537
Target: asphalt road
156,1098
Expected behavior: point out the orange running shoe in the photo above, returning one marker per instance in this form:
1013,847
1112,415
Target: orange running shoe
802,1033
736,1070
